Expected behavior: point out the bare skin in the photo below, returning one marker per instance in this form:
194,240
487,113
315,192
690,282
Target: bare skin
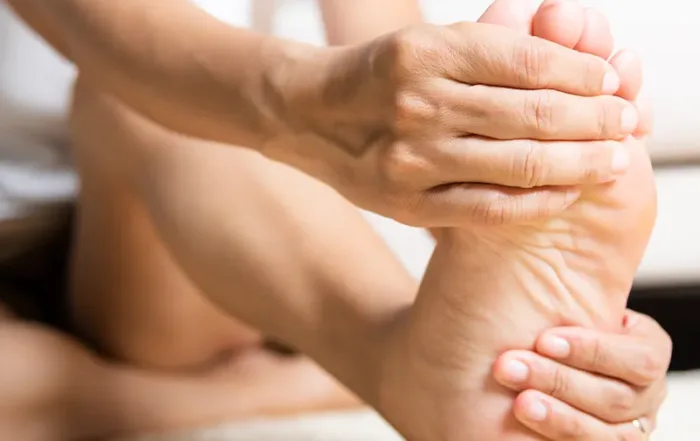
546,275
373,120
189,359
575,269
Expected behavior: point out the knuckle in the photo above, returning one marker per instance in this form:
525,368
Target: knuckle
403,45
499,208
609,117
621,401
595,161
530,165
560,383
410,47
601,121
593,72
572,428
401,165
539,111
493,210
652,365
532,60
599,357
413,109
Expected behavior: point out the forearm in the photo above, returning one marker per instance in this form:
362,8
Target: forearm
354,22
170,61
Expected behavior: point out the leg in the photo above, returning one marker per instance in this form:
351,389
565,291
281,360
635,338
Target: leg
130,297
54,389
157,307
127,295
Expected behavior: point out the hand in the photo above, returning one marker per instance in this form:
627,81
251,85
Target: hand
427,124
593,383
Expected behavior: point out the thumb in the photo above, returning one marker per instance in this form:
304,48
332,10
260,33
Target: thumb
487,205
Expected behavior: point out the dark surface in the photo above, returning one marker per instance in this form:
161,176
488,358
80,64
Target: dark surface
678,311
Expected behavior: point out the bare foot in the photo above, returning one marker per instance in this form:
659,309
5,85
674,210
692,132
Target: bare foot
491,289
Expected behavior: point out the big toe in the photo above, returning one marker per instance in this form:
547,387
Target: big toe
564,22
597,39
560,21
514,14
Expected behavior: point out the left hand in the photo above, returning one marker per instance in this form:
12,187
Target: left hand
589,385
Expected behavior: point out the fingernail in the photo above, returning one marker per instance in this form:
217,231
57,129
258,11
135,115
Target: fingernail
611,82
516,372
620,159
536,411
629,119
555,347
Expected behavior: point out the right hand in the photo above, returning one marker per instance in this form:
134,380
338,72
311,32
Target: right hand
593,383
451,126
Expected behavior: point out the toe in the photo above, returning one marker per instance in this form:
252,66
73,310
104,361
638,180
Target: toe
596,39
629,66
560,21
515,14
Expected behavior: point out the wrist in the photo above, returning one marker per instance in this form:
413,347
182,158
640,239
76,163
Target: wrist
327,102
288,88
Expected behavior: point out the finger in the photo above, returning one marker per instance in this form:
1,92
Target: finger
481,204
514,14
643,326
639,361
531,163
629,66
596,38
559,21
502,113
494,55
601,397
556,420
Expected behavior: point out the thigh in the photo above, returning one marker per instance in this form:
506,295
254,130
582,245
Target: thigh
128,292
128,297
244,227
